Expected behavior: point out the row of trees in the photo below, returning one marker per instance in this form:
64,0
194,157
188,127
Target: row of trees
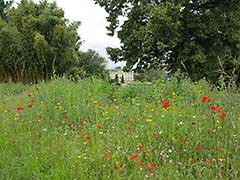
201,38
37,43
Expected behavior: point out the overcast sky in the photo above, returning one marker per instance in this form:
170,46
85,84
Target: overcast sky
93,25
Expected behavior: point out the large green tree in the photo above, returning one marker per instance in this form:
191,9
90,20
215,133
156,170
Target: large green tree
199,37
45,42
90,64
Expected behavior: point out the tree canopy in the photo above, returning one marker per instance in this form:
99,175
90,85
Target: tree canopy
37,42
89,64
93,63
199,37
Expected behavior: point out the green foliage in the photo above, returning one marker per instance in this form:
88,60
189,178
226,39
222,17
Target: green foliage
94,130
11,52
151,75
188,35
37,43
92,63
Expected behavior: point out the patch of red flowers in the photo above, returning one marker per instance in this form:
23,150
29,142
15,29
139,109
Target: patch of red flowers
98,126
155,135
19,108
40,118
210,132
107,157
141,165
117,167
128,121
30,106
208,162
215,109
151,167
197,148
133,156
222,116
64,117
88,137
205,99
184,141
165,105
81,123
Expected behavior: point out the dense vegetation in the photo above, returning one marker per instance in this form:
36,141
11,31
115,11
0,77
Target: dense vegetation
167,129
199,37
37,43
93,130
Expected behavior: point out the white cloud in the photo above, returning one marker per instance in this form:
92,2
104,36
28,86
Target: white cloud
93,25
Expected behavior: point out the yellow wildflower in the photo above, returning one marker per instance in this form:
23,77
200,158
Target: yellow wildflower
148,120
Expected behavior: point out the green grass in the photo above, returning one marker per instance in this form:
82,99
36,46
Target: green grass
93,130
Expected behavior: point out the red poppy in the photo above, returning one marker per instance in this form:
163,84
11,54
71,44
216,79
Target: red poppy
155,135
141,165
151,167
128,121
117,167
214,108
30,105
107,157
29,95
209,162
210,132
88,137
165,105
98,126
133,157
222,173
81,123
64,117
20,108
40,118
197,148
154,175
222,116
205,99
184,141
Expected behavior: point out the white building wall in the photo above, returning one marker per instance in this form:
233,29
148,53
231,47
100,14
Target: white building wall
128,76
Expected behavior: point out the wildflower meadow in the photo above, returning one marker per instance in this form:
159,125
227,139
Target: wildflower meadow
96,130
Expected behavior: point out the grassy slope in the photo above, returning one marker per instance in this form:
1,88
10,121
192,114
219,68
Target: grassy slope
90,130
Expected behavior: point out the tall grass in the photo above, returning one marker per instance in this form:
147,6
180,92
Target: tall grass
94,130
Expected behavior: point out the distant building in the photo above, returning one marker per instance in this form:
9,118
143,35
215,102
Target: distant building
126,77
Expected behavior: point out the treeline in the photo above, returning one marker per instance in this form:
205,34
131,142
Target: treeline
37,43
199,38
